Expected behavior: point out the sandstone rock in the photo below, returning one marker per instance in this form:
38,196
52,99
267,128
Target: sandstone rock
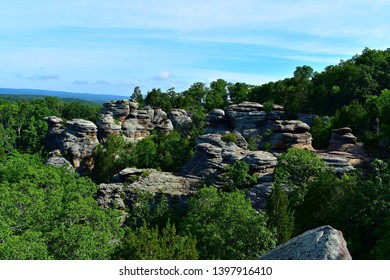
77,141
132,180
107,126
212,154
56,159
342,139
322,243
180,119
290,133
111,195
259,195
120,109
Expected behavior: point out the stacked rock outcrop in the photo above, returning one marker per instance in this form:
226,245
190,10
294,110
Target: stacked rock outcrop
130,181
124,116
213,154
290,133
77,140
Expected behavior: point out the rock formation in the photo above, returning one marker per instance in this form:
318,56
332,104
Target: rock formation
322,243
290,133
77,141
213,154
56,159
123,116
342,139
180,119
129,181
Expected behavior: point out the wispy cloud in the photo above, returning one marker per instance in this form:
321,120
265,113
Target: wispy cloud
40,77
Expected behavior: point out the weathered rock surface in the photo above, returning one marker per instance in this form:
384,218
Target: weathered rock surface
56,159
213,154
77,141
342,139
133,123
322,243
180,119
107,126
290,133
132,180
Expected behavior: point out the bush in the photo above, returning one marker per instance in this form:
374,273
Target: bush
229,138
236,176
226,226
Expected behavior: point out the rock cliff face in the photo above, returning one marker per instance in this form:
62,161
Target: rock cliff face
77,141
129,181
213,154
250,124
124,116
323,243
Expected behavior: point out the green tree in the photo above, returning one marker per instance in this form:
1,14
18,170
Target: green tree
51,213
146,243
281,217
137,96
217,96
110,158
238,92
237,176
296,169
226,226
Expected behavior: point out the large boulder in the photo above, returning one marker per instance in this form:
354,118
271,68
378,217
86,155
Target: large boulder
290,133
130,181
212,154
107,125
77,141
180,119
322,243
124,117
342,139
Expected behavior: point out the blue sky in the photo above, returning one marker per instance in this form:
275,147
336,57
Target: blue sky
112,46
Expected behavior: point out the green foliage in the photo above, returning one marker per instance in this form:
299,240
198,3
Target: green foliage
381,251
148,209
110,158
281,218
296,169
236,176
49,213
238,92
226,226
252,145
321,131
354,116
146,243
268,105
229,137
323,203
217,96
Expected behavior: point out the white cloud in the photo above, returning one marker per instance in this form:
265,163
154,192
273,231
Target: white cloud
162,76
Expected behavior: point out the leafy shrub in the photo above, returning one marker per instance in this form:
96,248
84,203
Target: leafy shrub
229,137
226,226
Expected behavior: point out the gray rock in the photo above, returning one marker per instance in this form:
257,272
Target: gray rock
77,141
180,119
342,139
107,125
290,133
322,243
120,109
212,154
132,180
56,159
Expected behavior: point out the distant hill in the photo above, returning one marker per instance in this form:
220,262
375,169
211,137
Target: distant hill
37,93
